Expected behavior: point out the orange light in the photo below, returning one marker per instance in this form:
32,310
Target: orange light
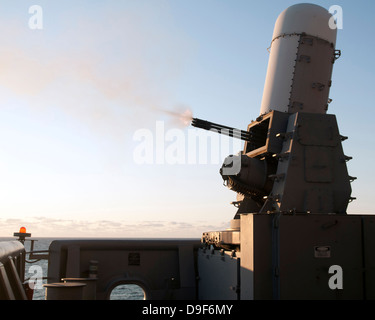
22,230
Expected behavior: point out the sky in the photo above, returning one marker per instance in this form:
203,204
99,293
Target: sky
83,83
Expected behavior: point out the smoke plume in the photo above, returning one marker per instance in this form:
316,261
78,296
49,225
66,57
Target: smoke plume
106,72
181,116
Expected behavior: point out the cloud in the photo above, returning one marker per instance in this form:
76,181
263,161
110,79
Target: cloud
51,227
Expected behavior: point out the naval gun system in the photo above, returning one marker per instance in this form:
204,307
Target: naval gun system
293,188
293,159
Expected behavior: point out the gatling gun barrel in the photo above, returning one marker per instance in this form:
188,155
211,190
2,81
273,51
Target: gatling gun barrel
225,130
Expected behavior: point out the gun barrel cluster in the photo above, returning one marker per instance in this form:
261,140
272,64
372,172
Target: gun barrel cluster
229,131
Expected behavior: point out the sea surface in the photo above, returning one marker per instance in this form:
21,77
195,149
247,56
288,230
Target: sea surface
39,269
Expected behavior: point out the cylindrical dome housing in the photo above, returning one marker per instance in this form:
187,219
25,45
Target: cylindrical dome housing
302,54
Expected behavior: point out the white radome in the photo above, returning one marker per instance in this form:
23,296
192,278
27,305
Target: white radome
305,18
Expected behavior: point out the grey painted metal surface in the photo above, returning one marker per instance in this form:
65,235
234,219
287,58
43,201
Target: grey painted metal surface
289,256
306,246
64,291
89,290
12,270
218,274
165,269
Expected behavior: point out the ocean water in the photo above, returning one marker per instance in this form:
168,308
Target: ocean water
122,292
